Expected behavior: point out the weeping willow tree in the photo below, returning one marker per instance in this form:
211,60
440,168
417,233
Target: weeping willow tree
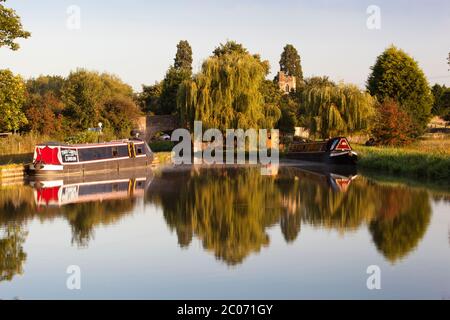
331,110
227,93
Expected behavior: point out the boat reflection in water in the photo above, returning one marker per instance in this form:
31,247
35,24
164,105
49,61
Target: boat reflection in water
63,192
89,201
338,178
85,202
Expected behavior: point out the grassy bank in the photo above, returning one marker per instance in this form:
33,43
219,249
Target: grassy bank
428,159
18,149
20,144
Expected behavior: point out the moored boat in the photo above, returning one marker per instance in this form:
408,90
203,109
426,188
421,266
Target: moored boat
80,159
333,151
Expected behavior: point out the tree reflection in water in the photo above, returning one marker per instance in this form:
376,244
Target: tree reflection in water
401,223
230,211
12,256
12,230
85,217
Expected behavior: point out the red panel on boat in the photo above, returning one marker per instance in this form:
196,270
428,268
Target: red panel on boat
47,155
45,195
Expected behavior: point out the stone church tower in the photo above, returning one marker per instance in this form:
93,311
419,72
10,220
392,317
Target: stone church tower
286,83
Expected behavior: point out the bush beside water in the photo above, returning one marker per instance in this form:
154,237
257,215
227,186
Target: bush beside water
161,146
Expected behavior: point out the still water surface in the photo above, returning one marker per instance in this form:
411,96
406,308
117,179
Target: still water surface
205,233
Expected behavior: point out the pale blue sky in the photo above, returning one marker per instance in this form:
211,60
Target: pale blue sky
137,39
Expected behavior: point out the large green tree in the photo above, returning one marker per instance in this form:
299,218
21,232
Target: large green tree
84,94
227,93
91,97
10,28
12,99
183,57
290,62
396,75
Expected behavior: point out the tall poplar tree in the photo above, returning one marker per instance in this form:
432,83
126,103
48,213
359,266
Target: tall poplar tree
183,57
179,72
290,62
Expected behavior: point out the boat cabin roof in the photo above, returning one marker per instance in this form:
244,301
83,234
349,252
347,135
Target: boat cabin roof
100,144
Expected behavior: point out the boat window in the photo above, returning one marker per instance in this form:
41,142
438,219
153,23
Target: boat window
101,153
95,153
139,149
123,151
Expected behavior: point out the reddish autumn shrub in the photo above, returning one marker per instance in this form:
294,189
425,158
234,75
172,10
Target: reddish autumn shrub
392,126
41,119
43,115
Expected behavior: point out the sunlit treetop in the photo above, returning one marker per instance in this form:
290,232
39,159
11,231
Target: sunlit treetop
10,28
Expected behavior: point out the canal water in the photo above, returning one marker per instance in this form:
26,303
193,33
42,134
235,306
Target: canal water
230,233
